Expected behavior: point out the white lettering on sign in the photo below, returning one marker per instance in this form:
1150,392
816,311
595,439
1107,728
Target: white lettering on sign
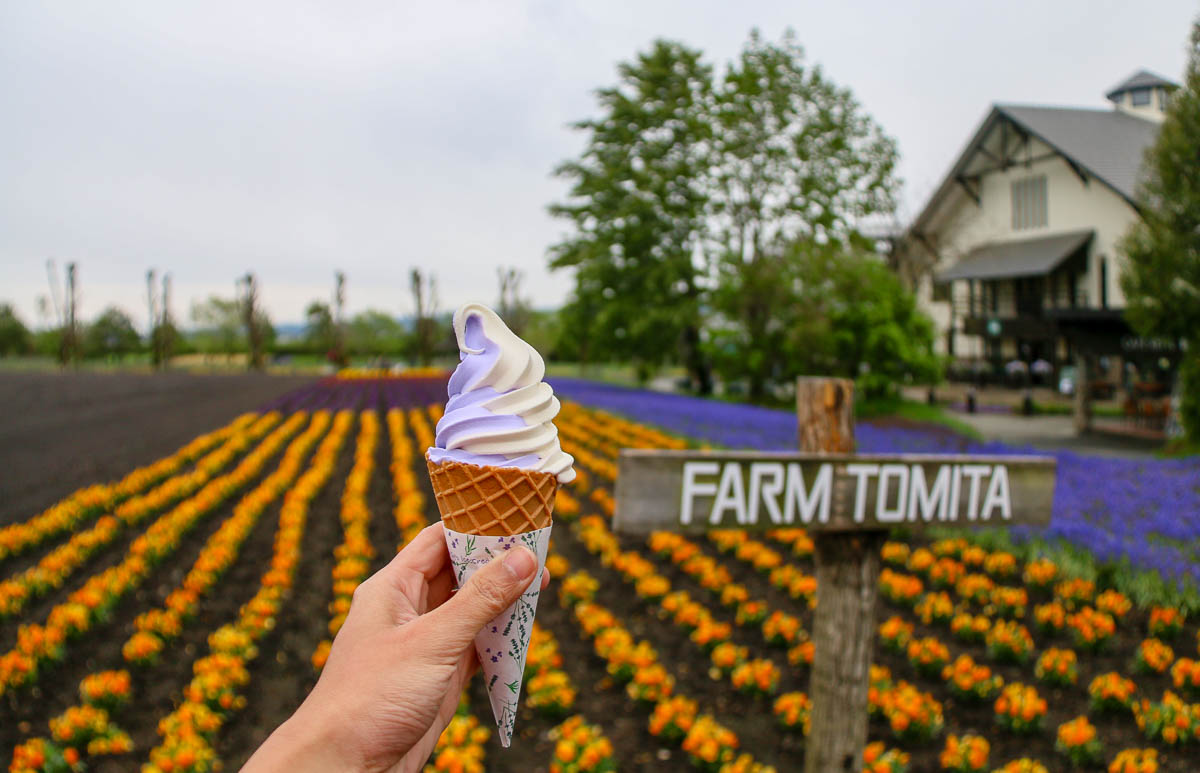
903,492
925,502
862,474
815,502
997,494
887,473
975,472
766,484
730,496
692,488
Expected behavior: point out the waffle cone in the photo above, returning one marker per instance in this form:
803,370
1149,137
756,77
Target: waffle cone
493,501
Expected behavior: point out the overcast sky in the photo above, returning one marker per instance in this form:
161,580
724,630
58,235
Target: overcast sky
291,138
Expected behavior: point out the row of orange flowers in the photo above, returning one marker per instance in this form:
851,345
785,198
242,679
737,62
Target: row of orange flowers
355,552
55,567
157,626
581,747
70,512
409,507
220,678
39,643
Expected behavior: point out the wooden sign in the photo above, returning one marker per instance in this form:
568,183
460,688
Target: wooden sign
694,491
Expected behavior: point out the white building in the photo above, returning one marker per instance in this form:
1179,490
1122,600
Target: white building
1015,255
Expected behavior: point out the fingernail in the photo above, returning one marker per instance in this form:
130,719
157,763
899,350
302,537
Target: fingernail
521,563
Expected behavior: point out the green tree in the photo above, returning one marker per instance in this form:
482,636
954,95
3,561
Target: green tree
797,159
319,332
374,332
112,333
15,338
1162,281
873,330
638,202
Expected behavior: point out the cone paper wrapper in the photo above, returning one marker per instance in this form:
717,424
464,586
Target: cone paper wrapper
504,642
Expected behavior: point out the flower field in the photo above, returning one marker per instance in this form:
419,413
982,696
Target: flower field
169,620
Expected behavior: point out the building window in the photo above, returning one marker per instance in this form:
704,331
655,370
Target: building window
941,291
1029,203
1139,97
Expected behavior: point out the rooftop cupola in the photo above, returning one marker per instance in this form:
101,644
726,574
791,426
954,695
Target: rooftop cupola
1143,94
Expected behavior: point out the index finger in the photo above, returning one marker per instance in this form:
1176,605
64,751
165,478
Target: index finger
425,555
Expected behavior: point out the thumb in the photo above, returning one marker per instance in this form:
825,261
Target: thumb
452,627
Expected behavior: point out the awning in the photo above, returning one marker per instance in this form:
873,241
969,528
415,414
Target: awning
1006,260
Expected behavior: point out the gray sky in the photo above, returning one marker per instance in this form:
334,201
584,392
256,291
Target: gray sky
294,138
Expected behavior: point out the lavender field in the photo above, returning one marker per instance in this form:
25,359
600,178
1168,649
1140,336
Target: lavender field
1120,514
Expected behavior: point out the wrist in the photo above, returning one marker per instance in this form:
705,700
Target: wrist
305,743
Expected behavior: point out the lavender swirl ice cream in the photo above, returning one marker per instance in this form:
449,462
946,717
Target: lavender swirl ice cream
500,412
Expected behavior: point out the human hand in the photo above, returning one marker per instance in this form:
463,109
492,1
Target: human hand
398,664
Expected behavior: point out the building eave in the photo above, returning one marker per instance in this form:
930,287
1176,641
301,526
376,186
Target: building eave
954,178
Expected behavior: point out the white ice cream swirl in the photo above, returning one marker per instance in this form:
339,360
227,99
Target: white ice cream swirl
500,411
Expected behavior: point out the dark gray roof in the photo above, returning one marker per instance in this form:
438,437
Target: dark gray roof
1106,144
1029,257
1109,144
1142,79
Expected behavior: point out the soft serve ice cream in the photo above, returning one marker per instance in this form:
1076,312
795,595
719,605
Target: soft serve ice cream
500,412
495,471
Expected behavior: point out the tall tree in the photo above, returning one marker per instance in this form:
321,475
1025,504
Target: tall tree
1162,281
15,338
425,302
251,314
165,336
637,203
796,159
338,348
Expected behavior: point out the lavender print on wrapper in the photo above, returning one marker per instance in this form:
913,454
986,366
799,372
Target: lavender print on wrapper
504,642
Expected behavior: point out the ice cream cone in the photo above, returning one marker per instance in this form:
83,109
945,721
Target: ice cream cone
486,511
492,501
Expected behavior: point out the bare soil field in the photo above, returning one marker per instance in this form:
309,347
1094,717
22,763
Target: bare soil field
61,431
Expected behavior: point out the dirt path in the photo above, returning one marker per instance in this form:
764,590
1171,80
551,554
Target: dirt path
61,431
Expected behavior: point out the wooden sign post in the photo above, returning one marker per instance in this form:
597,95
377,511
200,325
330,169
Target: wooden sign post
848,502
